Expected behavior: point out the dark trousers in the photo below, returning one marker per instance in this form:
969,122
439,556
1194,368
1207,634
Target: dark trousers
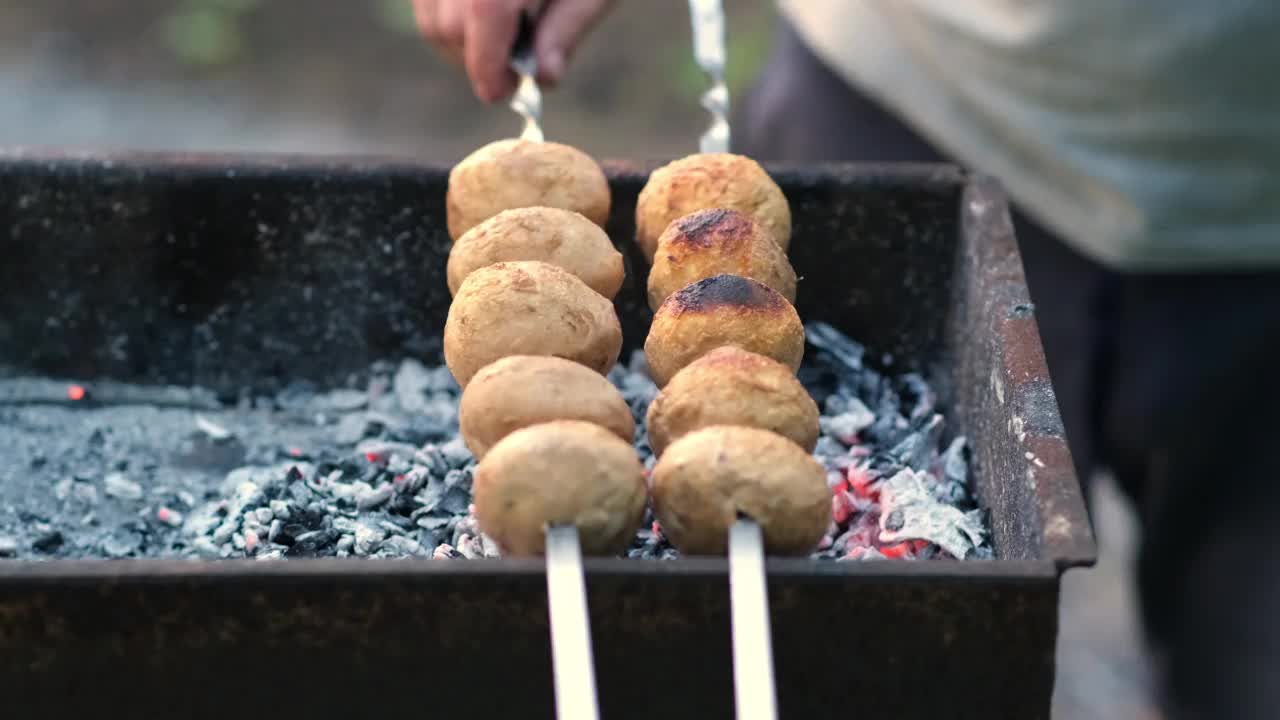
1172,382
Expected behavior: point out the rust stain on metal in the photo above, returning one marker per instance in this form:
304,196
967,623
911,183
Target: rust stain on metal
1024,359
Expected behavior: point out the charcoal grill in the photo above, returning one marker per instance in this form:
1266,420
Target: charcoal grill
232,271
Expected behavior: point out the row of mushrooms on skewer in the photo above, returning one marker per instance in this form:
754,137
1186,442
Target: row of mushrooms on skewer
532,332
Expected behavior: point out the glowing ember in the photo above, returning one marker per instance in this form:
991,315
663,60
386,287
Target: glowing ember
76,392
841,506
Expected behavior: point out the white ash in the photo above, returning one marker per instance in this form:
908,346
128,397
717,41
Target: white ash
118,486
910,511
377,469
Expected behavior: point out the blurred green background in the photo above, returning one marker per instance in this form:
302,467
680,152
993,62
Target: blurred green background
336,76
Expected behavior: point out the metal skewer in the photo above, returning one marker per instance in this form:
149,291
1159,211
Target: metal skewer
571,657
753,679
753,682
708,51
527,100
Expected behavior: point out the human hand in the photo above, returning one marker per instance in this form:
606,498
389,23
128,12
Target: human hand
479,34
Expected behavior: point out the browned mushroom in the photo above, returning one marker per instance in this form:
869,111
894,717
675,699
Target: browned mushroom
565,472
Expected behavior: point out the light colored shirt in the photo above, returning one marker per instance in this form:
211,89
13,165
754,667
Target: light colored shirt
1144,132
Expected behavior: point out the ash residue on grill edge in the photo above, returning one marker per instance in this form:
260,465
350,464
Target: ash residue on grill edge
381,472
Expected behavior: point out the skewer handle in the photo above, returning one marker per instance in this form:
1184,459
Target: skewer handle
571,657
752,636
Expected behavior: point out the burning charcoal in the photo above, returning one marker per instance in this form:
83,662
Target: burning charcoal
204,519
29,517
432,522
122,543
118,486
916,394
410,384
466,545
206,547
345,525
459,478
893,521
445,552
395,528
864,553
377,473
855,418
456,499
911,513
238,476
381,451
904,488
431,538
455,453
401,505
346,492
818,381
82,493
401,545
433,460
847,352
340,401
399,464
442,381
48,540
828,447
932,431
8,546
951,494
351,429
247,496
917,448
955,465
296,394
413,480
310,544
213,430
169,517
374,497
367,539
489,547
835,404
225,531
